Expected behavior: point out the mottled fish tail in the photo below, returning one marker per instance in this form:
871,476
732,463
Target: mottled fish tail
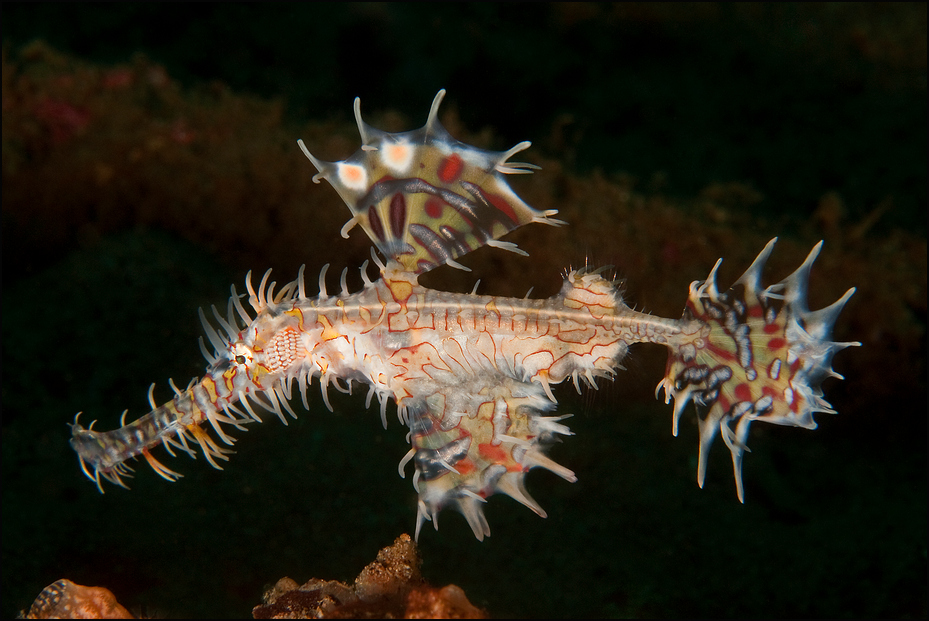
752,354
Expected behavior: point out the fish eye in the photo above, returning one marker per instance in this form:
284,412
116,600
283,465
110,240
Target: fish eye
240,359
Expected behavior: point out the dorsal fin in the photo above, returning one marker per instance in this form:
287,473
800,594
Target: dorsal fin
424,198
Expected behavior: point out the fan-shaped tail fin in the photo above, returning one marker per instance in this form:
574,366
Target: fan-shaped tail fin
752,354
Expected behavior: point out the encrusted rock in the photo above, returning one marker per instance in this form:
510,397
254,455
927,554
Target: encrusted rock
389,588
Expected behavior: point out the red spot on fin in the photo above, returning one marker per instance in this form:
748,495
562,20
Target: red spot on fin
743,392
450,168
434,208
493,453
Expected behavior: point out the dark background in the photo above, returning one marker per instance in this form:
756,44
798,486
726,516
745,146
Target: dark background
796,101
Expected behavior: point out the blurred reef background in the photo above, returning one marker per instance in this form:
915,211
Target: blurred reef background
149,161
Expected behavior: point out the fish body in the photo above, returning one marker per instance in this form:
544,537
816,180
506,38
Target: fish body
472,375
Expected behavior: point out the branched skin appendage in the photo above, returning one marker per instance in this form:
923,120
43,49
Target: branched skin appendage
472,375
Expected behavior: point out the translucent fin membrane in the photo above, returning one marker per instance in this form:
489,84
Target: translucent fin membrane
426,199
